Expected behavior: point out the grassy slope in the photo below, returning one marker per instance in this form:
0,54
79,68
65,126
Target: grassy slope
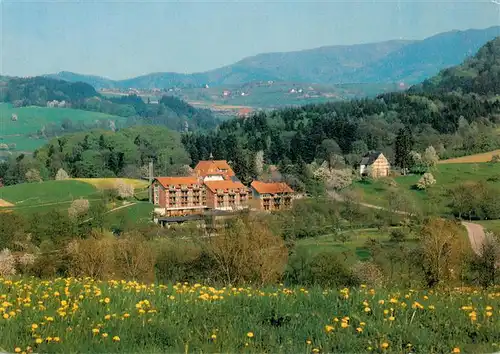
32,119
36,194
447,175
202,319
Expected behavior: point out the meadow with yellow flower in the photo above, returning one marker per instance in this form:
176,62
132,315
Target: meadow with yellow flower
68,314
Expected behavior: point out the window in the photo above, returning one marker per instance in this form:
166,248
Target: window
156,195
220,199
232,199
266,207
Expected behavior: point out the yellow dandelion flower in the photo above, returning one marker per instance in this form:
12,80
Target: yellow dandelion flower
116,339
315,350
489,314
367,309
107,317
431,307
344,325
56,339
49,339
359,329
381,302
34,326
105,335
107,300
49,319
308,342
17,350
250,334
391,318
489,308
362,324
95,330
384,345
456,350
328,328
126,315
38,340
5,316
213,336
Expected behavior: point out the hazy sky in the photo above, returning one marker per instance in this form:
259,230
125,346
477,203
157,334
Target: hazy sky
120,39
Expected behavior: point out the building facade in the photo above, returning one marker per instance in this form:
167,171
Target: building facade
215,188
375,165
179,196
227,195
272,196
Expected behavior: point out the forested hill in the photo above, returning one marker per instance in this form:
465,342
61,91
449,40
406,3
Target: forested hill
36,91
169,111
479,74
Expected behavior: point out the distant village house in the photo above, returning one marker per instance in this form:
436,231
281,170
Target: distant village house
374,165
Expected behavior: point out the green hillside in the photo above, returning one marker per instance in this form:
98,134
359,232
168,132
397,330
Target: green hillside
36,125
45,193
381,192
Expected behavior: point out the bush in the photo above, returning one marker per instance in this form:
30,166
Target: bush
7,263
369,273
328,271
426,181
124,190
78,208
246,250
397,235
134,258
91,258
61,175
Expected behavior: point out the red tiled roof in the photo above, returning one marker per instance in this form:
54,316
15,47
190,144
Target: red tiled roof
213,167
169,181
215,185
271,188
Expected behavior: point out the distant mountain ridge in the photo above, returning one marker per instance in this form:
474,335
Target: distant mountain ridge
479,74
389,61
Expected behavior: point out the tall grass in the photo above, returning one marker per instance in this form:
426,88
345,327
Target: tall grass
68,315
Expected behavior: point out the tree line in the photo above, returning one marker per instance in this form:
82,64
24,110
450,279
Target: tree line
100,153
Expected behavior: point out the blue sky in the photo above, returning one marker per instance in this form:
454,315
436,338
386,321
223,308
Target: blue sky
121,39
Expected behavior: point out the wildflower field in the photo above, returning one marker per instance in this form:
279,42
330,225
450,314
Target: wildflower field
69,315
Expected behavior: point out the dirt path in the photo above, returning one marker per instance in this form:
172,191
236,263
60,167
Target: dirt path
4,203
477,236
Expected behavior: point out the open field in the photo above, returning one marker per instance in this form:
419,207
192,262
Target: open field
477,158
109,183
49,192
31,120
69,315
377,192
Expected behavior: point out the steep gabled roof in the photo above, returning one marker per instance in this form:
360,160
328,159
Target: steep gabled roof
370,158
177,181
271,188
224,185
214,167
